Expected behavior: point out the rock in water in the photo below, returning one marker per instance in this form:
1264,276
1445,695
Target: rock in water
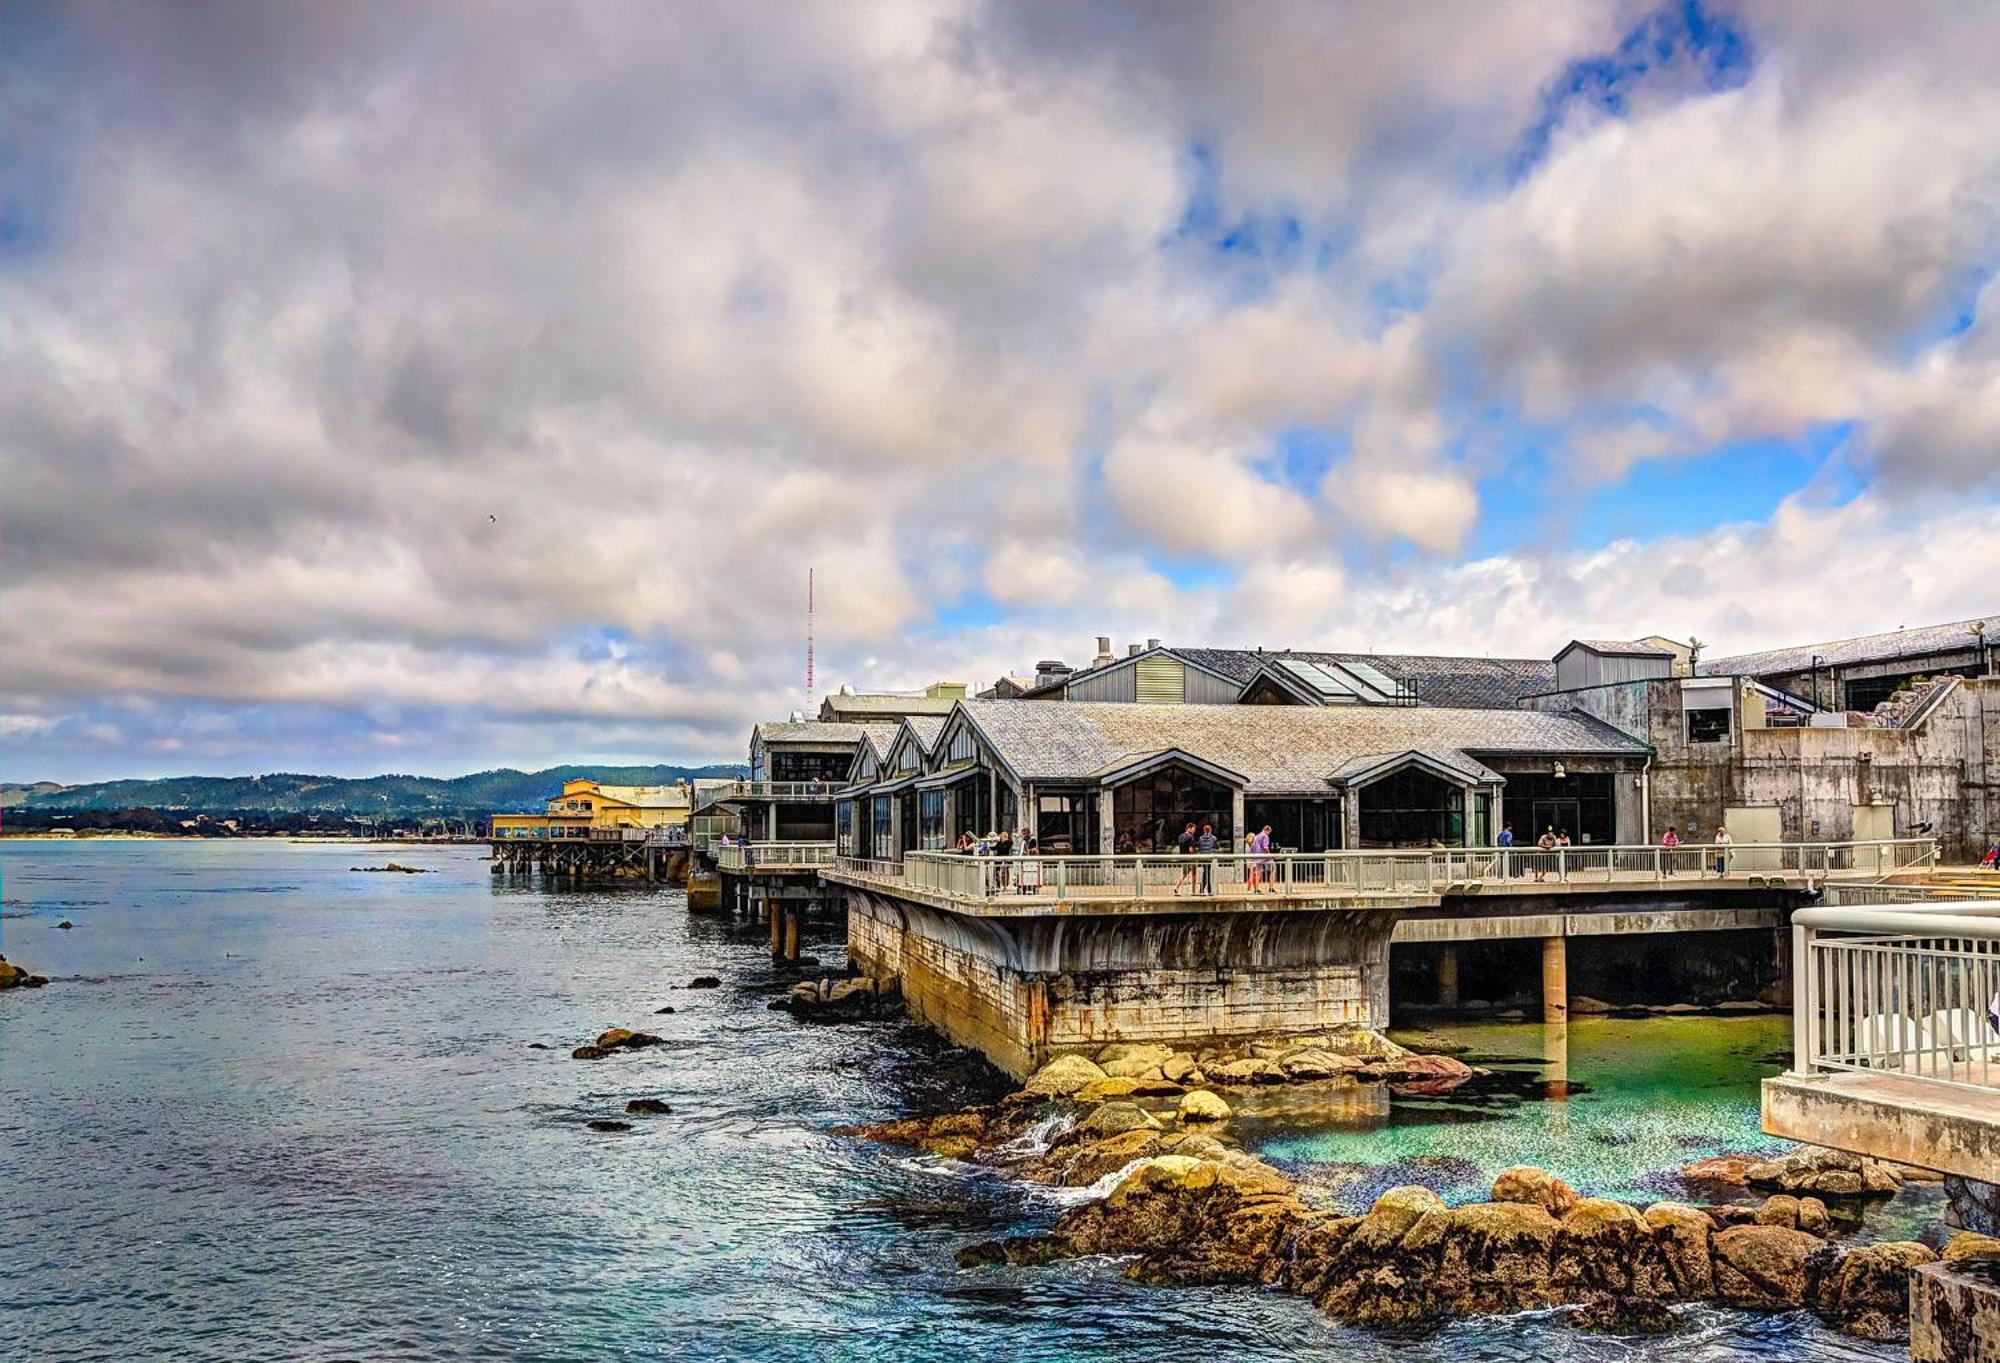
14,977
616,1039
538,1045
65,925
1062,1077
1203,1106
1866,1291
648,1107
1114,1119
659,1012
704,982
1762,1267
604,1124
1538,1187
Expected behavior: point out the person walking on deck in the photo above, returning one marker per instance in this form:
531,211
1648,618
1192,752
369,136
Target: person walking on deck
1184,845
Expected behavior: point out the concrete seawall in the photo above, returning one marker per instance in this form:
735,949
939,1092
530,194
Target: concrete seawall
1021,989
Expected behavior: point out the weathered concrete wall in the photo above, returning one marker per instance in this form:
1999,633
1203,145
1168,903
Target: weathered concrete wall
1020,990
1955,1313
1942,773
1912,1121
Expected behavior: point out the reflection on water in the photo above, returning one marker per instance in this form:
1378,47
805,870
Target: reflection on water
270,1109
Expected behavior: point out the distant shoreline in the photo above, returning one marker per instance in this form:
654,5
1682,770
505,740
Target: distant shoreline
92,835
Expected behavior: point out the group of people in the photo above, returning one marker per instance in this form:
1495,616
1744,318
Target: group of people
1001,844
1553,838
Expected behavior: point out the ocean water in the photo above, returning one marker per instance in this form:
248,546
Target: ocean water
271,1108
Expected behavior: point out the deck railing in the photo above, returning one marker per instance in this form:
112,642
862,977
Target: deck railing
1912,989
1889,892
1385,871
737,856
766,790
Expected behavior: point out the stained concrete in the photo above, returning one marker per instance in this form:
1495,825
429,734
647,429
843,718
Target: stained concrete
1952,1129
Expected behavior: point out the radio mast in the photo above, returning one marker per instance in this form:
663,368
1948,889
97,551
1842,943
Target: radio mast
809,638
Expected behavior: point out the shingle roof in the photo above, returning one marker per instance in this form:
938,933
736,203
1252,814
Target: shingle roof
1279,749
1897,643
881,737
810,731
1456,683
925,729
1629,648
861,707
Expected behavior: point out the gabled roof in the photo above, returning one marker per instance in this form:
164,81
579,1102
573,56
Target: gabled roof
1452,765
925,729
1617,648
808,731
1448,682
1865,648
1275,749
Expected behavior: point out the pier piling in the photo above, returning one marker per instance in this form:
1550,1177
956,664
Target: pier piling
1555,979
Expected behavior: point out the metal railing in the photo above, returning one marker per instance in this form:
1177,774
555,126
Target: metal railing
766,790
737,856
1888,892
1386,871
1911,990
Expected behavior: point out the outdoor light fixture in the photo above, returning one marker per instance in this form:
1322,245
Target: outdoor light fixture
1559,773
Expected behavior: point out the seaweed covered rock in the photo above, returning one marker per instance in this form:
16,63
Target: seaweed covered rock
1525,1183
1866,1290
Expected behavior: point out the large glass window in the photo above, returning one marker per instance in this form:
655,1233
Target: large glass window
882,832
843,828
810,766
1151,812
972,808
1579,803
1066,823
930,820
1296,825
1412,808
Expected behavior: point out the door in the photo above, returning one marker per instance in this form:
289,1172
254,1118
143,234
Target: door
1556,814
1754,824
1874,823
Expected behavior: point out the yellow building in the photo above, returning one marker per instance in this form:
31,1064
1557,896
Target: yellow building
588,808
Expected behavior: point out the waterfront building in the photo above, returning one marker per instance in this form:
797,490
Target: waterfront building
587,808
848,706
1861,673
1096,776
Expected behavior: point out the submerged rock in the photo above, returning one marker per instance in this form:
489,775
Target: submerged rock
1812,1169
66,925
605,1124
859,999
704,982
1525,1183
1114,1119
395,867
538,1045
648,1107
662,1012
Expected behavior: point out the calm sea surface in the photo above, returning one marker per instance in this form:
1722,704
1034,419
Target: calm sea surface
271,1108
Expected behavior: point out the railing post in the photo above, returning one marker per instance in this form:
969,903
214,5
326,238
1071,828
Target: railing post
1805,1001
1138,877
1658,873
1062,877
1562,865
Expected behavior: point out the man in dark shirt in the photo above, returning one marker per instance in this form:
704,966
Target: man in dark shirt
1184,844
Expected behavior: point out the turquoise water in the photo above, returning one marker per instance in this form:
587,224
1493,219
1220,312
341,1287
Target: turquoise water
274,1109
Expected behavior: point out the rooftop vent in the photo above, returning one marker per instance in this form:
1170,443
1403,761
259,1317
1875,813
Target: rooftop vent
1133,650
1051,670
1103,651
1152,643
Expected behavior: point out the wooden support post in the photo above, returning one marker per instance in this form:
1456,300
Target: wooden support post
1555,979
792,935
777,927
1448,975
652,865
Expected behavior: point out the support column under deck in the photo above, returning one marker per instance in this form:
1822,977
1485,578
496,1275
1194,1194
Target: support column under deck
1555,979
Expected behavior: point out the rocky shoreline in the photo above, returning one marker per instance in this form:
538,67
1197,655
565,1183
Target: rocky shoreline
1147,1129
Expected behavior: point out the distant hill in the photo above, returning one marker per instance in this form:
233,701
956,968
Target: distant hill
483,792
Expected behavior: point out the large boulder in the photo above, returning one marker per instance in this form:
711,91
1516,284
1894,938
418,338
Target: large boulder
1494,1256
1062,1077
625,1039
1202,1106
1763,1267
17,977
1814,1169
1247,1072
1808,1214
1131,1052
1440,1070
1113,1119
1537,1187
1602,1246
1866,1291
1181,1068
1133,1069
1681,1251
1607,1313
1968,1244
1314,1063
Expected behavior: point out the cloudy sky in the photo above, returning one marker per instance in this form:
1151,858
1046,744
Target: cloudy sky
430,387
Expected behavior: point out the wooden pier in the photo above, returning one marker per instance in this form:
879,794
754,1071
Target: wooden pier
646,856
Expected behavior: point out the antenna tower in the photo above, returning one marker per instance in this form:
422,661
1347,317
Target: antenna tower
809,636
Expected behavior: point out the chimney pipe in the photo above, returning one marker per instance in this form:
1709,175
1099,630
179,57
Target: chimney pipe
1131,650
1103,651
1152,643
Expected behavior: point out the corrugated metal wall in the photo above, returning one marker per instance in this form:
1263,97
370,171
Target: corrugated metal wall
1161,681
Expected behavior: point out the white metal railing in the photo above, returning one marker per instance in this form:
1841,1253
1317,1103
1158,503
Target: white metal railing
1839,895
1386,870
766,790
737,856
1911,989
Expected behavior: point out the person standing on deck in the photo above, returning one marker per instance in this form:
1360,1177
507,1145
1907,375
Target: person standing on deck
1505,843
1669,840
1184,845
1267,867
1003,848
1251,866
1207,846
1722,841
1547,842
